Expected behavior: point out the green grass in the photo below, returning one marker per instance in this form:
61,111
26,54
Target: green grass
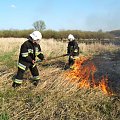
4,116
7,59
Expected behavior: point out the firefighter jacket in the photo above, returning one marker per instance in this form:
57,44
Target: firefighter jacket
28,53
73,48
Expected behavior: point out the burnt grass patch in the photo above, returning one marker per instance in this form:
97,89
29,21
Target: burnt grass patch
108,64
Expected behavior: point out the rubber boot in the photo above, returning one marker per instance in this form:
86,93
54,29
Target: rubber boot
15,85
35,82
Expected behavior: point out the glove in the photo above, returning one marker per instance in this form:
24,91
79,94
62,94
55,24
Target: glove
41,56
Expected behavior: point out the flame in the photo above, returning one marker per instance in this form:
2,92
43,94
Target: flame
82,74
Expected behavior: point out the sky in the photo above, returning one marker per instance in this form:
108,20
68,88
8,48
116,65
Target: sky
85,15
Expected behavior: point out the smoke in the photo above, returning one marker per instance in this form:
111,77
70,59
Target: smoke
109,19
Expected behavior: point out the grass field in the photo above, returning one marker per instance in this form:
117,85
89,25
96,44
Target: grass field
55,98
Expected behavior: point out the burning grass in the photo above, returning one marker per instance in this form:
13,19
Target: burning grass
83,75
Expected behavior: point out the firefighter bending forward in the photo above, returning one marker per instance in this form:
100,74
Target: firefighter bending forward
72,50
29,50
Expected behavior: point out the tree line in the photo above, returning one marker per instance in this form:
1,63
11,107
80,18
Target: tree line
59,35
116,33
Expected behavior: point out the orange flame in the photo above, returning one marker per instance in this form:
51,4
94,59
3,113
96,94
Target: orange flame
83,75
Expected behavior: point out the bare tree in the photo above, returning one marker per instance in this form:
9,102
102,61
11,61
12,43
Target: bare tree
39,25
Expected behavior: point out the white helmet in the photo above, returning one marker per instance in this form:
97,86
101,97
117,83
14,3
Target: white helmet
36,35
71,37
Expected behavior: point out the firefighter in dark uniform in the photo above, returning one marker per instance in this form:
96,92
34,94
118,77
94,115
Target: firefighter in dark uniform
29,50
72,50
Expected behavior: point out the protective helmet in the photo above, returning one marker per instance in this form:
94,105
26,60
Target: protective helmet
71,37
36,35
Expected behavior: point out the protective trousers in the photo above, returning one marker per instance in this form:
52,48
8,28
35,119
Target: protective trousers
72,59
20,73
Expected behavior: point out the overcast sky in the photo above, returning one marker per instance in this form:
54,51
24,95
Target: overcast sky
86,15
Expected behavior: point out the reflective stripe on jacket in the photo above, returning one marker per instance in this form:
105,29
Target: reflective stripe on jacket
28,53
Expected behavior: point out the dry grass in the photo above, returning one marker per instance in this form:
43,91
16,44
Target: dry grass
53,47
8,44
54,98
98,48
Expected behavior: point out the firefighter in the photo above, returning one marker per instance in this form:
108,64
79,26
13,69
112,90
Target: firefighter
29,50
72,50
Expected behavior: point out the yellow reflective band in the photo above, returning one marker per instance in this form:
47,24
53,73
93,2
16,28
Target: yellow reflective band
75,50
23,67
71,57
37,53
18,81
24,54
72,67
36,78
75,57
30,50
33,66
